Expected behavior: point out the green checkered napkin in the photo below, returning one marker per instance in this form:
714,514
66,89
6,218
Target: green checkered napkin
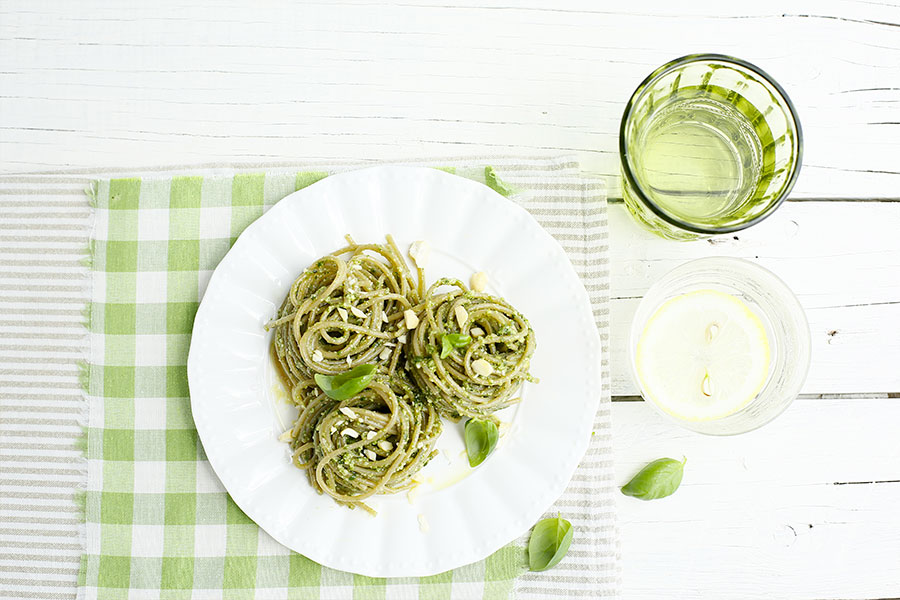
158,522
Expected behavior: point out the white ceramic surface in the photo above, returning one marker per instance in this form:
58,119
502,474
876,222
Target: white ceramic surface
240,408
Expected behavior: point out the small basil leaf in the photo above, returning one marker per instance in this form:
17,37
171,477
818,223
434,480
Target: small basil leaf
449,341
494,182
346,385
459,340
550,540
657,480
481,439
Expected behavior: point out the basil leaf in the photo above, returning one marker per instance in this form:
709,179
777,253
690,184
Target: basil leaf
481,439
657,480
494,182
550,540
449,341
346,385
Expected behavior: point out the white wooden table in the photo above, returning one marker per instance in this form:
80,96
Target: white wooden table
805,508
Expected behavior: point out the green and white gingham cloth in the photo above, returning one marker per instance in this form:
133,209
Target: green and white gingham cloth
158,523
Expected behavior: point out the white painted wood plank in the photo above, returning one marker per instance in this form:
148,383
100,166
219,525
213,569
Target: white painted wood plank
842,260
85,84
763,515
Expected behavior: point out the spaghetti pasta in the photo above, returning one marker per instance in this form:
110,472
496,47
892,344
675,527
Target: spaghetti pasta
458,353
372,443
481,377
343,311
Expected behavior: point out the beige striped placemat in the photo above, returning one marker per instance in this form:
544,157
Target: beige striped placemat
45,224
44,227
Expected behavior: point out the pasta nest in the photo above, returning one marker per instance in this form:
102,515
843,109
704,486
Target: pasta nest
372,443
482,377
345,310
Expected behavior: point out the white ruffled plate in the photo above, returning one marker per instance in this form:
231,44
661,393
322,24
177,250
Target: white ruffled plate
458,515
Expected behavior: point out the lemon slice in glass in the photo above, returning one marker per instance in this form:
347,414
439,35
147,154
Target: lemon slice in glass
703,355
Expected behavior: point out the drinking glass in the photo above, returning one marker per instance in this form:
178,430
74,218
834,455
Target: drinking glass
709,144
769,298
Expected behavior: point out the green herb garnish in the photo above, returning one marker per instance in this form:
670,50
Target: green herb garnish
449,341
481,439
494,182
550,540
346,385
657,480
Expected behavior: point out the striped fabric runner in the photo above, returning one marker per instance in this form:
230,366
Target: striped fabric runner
44,228
44,287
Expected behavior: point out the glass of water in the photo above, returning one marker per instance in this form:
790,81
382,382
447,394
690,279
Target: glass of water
709,144
720,345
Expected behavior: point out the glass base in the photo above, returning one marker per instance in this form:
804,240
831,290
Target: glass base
649,221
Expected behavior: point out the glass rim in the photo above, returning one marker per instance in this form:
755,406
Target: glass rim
648,202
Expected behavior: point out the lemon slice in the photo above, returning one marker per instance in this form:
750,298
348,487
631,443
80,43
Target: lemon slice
703,355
